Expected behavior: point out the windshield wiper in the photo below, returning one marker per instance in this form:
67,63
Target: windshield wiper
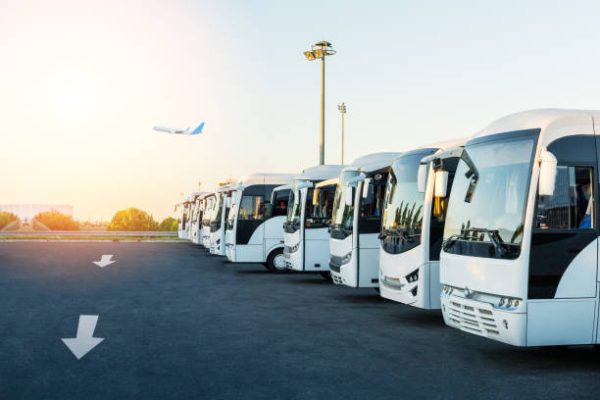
446,244
397,233
497,241
405,236
493,234
464,235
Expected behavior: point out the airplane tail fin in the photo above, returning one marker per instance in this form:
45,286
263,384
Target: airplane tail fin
198,129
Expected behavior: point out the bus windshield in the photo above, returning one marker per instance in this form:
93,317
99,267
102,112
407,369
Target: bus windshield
215,218
294,211
206,218
343,214
233,211
318,215
403,213
486,211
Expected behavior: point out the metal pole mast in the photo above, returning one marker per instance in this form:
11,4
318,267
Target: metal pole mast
342,108
322,138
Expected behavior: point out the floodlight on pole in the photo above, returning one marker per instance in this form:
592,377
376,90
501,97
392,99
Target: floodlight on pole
320,50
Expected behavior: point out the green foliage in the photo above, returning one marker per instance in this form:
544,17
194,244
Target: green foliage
6,218
169,224
57,221
132,219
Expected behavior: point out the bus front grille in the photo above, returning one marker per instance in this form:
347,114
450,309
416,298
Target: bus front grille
472,318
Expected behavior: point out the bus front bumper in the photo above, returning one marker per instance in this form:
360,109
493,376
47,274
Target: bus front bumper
483,319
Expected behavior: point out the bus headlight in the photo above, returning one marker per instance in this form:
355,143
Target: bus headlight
291,249
413,276
509,302
346,258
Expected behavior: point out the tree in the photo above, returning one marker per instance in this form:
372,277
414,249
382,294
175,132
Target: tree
169,224
57,221
132,219
6,218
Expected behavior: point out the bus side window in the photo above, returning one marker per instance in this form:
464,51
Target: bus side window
280,203
251,208
571,206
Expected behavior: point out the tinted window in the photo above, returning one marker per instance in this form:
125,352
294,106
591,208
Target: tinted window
403,213
371,206
319,215
571,205
251,208
280,202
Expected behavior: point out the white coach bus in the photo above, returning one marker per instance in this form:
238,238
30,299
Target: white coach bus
197,214
209,208
519,263
183,230
223,202
356,221
413,225
306,236
255,220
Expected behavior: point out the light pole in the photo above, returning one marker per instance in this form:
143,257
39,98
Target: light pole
342,108
320,50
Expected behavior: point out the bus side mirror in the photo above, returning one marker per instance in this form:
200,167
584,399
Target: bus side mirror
366,187
422,177
441,183
315,199
348,199
548,168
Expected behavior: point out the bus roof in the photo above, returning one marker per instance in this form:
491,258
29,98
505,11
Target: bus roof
225,188
328,182
264,179
282,187
320,172
373,162
551,121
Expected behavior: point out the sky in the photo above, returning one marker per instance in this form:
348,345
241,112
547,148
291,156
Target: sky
82,83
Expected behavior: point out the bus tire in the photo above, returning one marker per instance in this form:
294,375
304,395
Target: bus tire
275,262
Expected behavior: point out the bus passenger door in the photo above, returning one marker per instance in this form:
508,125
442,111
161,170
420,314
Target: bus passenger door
564,249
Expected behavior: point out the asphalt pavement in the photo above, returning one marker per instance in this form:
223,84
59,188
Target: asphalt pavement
178,323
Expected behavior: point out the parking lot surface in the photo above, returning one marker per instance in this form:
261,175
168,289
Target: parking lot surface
179,323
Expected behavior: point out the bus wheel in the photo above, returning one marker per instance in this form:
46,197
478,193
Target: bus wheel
276,262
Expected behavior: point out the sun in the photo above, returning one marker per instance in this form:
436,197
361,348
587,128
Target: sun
72,100
72,97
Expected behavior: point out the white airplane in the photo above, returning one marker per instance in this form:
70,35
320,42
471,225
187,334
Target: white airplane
175,131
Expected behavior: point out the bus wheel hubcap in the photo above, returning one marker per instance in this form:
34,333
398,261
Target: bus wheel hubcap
279,262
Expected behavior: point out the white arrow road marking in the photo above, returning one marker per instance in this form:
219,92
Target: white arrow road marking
104,261
85,341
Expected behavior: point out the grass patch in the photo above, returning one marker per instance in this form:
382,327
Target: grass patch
115,238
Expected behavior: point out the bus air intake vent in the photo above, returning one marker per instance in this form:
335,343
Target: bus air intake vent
474,319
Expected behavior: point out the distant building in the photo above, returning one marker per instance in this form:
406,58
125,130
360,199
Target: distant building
26,212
